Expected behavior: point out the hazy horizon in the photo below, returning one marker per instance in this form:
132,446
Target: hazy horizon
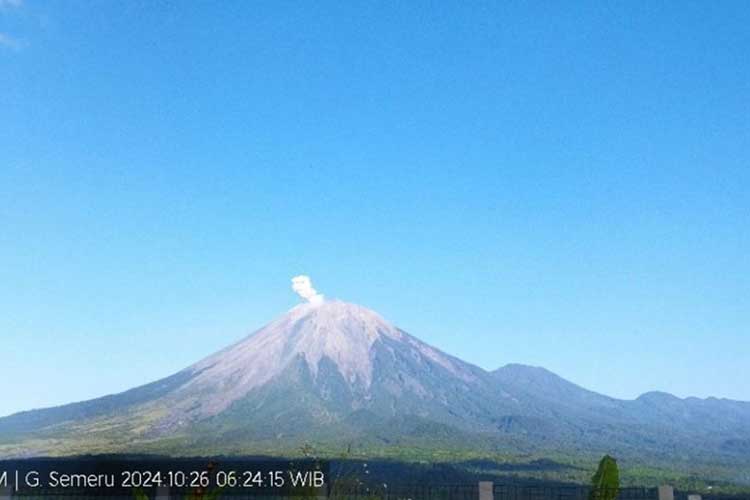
302,301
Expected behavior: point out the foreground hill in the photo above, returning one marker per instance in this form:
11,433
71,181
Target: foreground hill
337,374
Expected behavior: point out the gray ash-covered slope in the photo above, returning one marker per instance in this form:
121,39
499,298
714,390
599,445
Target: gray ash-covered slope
335,374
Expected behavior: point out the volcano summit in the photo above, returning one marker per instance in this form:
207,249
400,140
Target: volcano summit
337,374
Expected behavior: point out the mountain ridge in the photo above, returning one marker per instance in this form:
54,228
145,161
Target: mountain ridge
336,372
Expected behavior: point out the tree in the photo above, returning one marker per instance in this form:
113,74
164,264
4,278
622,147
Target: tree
605,484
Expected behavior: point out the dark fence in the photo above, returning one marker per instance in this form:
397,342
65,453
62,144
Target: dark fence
432,492
500,492
528,492
463,491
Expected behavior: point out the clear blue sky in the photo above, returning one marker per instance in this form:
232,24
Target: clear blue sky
557,184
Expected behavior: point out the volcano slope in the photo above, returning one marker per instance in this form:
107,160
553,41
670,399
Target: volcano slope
338,375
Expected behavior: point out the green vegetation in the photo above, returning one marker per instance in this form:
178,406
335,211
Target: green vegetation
442,455
605,484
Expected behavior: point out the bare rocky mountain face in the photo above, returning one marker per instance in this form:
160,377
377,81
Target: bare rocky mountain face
337,374
348,337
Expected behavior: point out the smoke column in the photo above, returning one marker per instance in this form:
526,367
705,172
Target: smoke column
302,286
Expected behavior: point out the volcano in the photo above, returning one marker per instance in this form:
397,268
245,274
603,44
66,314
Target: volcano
337,374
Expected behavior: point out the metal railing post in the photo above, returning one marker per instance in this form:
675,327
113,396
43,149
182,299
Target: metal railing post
666,492
486,490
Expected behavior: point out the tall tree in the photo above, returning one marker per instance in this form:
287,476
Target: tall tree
605,483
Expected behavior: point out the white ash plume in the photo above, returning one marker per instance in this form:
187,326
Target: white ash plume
302,285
